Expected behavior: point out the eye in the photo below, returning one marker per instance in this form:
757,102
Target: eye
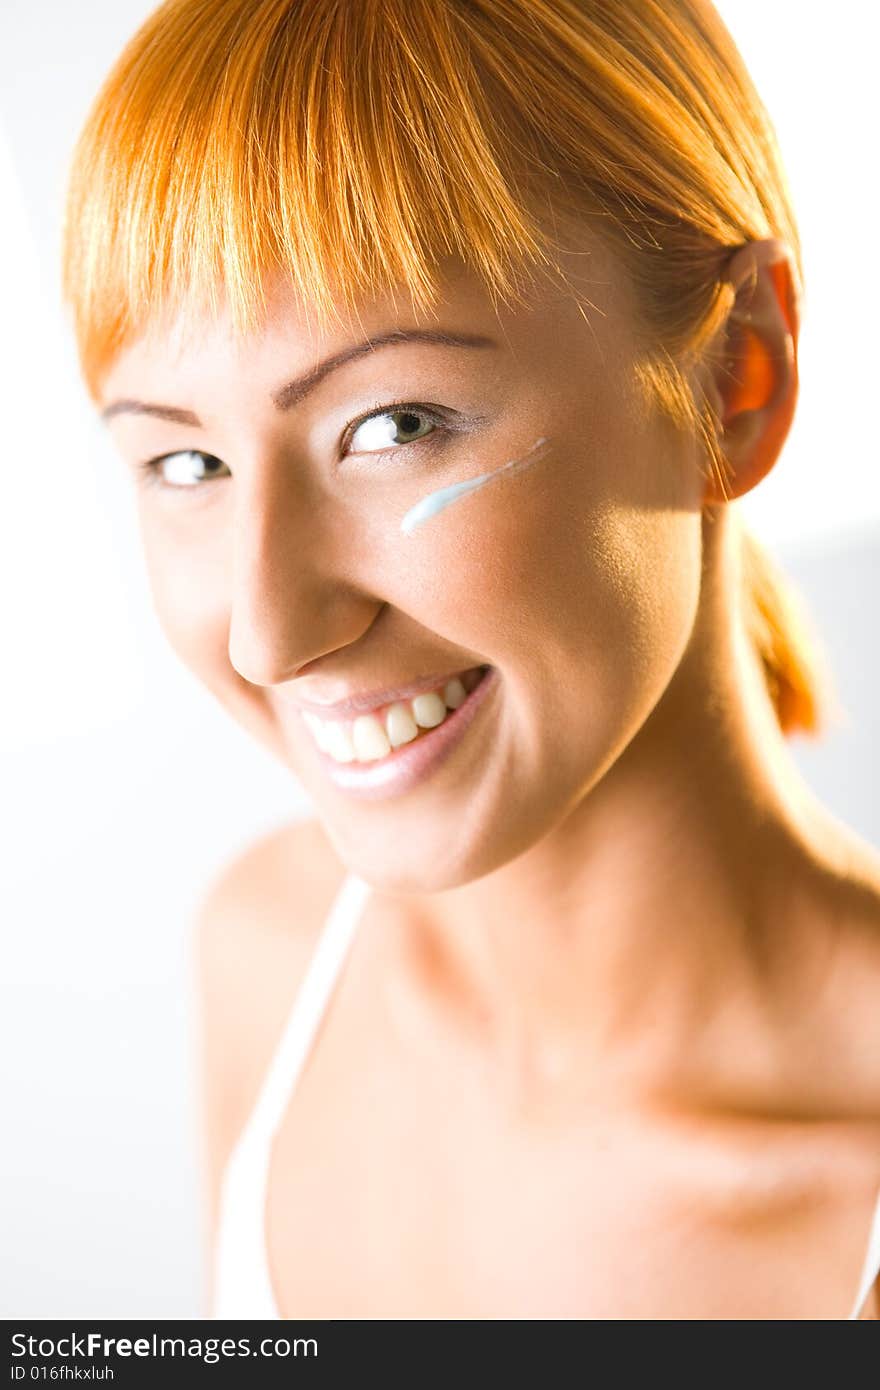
375,434
176,471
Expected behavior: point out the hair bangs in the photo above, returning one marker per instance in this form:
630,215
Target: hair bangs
342,147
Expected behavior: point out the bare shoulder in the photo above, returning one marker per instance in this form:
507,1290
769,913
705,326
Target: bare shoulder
297,857
850,972
858,974
855,988
254,929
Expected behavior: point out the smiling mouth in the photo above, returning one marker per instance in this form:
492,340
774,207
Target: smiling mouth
414,761
376,736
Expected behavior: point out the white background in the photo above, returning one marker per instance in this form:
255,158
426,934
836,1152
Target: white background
124,786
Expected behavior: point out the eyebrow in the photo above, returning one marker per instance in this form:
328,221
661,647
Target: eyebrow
292,392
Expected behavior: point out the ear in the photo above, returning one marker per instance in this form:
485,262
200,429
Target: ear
751,372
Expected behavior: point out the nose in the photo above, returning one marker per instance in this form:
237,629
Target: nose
291,598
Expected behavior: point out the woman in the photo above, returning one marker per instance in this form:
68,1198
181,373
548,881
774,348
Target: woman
604,1043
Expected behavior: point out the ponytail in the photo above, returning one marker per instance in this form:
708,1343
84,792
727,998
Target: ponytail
785,640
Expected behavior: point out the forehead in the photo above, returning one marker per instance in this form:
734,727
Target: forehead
186,350
192,340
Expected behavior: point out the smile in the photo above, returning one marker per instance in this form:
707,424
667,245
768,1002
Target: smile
388,750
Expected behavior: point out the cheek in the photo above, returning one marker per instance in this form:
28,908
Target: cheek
544,555
586,605
191,600
644,574
472,563
642,590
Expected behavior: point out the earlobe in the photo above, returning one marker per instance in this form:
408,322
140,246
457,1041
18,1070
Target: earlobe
754,380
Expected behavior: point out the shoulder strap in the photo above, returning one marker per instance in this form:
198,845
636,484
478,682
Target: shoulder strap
871,1267
309,1004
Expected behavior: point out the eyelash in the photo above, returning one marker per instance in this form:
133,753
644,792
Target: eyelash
150,475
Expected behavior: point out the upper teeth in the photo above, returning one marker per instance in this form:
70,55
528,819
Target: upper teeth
372,736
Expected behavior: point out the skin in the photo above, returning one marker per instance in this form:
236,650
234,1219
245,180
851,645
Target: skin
623,971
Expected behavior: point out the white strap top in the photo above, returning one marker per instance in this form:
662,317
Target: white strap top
242,1284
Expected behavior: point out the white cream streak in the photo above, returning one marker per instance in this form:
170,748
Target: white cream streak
436,501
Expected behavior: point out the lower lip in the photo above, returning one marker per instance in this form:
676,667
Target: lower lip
409,764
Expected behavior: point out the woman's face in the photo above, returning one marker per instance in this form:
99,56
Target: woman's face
282,575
